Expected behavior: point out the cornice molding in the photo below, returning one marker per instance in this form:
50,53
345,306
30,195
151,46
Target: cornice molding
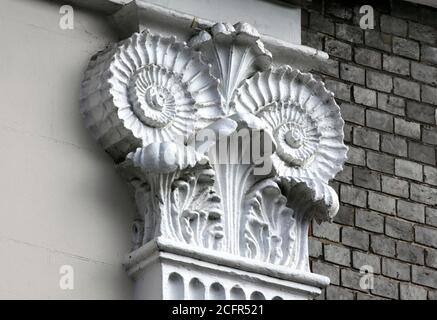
140,14
227,152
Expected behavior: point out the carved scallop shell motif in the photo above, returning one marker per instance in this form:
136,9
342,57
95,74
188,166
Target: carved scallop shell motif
235,53
304,119
157,90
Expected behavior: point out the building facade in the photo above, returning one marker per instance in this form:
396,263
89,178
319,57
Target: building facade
384,80
67,215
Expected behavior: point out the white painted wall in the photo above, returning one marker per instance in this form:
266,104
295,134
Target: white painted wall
61,201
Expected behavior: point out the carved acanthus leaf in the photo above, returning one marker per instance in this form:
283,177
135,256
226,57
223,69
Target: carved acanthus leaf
175,190
269,225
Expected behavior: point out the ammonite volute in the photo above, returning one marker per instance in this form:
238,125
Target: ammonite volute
304,119
156,90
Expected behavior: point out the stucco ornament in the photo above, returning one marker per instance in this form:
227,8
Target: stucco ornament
147,89
228,155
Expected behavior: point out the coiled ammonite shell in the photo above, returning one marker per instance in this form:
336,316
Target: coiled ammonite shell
304,120
156,90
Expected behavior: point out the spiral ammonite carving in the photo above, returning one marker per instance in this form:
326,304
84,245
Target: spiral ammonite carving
304,119
154,90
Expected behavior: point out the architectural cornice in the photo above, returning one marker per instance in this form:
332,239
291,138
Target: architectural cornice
228,152
129,16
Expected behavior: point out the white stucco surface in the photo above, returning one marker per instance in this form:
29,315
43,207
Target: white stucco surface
61,203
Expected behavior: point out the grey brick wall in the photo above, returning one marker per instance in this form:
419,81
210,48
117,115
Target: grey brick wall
385,81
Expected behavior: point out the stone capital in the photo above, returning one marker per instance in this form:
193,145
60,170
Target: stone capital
228,147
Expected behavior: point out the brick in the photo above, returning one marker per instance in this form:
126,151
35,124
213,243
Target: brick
312,39
319,23
385,287
352,73
394,145
353,196
352,113
422,33
421,152
407,128
429,94
326,230
410,291
399,229
367,179
431,216
369,220
380,162
424,73
345,175
421,112
315,248
338,49
378,40
382,245
409,169
395,269
337,254
364,96
369,58
356,156
395,186
406,48
429,54
345,215
410,252
407,89
426,236
351,279
379,120
328,270
393,25
382,203
411,211
339,293
430,174
429,135
360,259
330,67
366,138
347,131
431,258
355,238
339,10
394,105
341,90
349,33
379,81
396,65
424,276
